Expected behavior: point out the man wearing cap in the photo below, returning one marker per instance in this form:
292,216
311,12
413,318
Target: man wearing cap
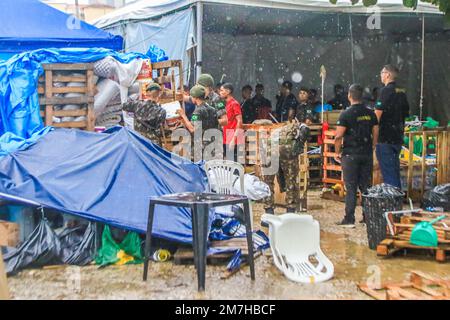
203,118
149,116
286,102
211,97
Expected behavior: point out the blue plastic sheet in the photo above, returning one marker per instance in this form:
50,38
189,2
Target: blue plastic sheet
105,177
31,24
9,142
19,104
156,54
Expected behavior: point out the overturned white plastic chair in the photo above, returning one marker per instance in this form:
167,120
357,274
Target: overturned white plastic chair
295,244
222,178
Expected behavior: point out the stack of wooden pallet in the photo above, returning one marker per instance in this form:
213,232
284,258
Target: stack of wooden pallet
420,286
399,239
66,91
315,160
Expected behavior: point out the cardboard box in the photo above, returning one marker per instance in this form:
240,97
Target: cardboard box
9,234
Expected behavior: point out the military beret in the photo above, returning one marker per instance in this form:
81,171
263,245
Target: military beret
153,86
198,91
206,80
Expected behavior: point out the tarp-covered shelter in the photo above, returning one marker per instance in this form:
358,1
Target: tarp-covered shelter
30,24
106,177
252,41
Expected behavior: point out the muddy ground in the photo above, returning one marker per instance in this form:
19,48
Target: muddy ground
346,248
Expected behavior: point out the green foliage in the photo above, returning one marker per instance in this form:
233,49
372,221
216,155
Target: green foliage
443,5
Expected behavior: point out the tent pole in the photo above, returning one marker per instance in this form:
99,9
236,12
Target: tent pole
422,69
351,47
199,17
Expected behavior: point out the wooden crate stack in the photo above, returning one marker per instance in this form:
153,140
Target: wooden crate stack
254,135
332,171
416,167
315,160
164,75
50,94
419,286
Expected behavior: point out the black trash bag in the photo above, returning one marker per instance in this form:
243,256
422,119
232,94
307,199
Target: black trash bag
384,190
78,245
376,201
438,197
41,248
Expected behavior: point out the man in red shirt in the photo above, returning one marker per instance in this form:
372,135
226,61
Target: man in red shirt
233,133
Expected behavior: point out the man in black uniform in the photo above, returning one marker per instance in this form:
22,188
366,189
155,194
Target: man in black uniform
391,109
358,126
249,111
305,110
340,101
203,118
262,105
286,103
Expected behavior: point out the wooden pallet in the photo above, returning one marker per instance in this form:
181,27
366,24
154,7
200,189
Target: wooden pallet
9,234
315,170
4,291
400,239
185,255
419,287
428,137
48,94
166,77
388,247
332,172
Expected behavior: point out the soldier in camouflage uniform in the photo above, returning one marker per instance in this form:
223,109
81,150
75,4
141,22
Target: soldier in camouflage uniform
212,98
203,118
149,116
292,138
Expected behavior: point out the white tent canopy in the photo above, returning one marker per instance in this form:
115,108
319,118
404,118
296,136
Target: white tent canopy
263,41
151,9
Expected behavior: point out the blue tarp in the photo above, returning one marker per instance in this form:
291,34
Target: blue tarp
30,24
106,177
19,104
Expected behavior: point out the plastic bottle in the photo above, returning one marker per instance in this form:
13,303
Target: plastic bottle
161,255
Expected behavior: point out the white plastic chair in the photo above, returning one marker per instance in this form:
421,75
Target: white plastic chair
222,178
295,243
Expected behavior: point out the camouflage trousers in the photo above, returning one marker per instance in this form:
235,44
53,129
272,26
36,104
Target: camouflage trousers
290,172
153,137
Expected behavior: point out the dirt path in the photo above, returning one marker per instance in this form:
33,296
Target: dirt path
347,249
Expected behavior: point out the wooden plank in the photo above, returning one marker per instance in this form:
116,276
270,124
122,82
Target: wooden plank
48,94
332,167
166,64
68,66
62,100
71,124
70,113
90,108
70,90
9,234
424,164
59,78
4,291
